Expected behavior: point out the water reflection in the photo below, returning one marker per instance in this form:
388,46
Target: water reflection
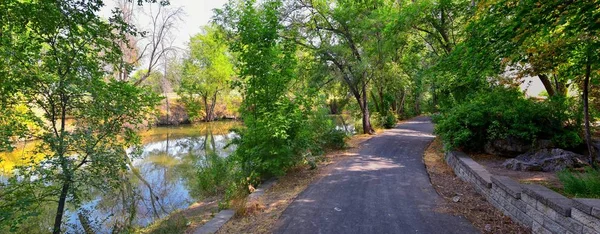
162,178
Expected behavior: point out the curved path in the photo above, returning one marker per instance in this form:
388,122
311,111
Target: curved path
384,189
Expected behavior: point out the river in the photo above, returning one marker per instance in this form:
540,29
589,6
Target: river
166,169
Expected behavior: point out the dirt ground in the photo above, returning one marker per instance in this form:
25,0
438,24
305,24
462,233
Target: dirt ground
494,165
471,205
185,221
260,216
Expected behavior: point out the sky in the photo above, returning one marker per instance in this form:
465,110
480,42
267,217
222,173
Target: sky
197,13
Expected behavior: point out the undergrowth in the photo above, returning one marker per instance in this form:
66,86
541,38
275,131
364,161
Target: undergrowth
581,184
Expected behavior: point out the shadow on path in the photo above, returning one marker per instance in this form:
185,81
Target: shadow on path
384,189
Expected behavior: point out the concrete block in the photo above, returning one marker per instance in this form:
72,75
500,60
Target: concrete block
536,215
216,223
587,220
508,185
519,204
559,203
539,229
588,206
553,227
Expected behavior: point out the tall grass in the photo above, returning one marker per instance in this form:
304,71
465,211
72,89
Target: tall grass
581,184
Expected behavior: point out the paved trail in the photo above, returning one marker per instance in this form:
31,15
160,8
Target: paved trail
384,189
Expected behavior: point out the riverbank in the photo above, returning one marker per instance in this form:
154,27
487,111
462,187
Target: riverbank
261,215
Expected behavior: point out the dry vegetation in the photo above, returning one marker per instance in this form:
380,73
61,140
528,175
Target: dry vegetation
185,221
471,205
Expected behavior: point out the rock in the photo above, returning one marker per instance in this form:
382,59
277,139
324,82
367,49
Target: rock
511,147
456,199
488,228
548,160
508,147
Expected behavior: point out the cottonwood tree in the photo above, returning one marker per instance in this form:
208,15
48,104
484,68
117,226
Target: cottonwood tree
340,33
84,121
207,71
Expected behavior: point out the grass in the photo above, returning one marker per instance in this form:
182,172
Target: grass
176,223
581,184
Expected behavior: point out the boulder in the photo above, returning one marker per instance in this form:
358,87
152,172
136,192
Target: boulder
509,147
548,160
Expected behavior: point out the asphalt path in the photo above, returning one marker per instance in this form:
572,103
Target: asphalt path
385,188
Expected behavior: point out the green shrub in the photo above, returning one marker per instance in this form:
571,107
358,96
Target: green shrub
500,113
214,174
334,139
578,184
389,121
377,120
324,132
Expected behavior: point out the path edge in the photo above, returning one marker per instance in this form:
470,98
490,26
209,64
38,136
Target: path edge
217,222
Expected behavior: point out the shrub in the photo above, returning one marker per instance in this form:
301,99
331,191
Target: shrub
377,120
500,113
578,184
325,134
214,174
389,121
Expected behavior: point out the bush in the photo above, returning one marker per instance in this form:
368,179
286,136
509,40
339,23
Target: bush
500,113
578,184
325,134
214,174
379,121
389,121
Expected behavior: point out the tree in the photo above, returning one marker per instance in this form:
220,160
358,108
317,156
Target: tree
340,34
553,39
207,72
276,119
157,41
60,50
154,81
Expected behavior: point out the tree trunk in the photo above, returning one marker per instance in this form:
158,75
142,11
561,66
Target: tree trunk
366,117
212,106
401,107
377,103
61,207
205,100
547,84
382,105
586,112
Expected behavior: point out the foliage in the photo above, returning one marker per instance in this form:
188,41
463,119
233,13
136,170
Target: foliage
214,174
283,125
389,121
207,72
581,184
154,81
53,57
325,134
500,113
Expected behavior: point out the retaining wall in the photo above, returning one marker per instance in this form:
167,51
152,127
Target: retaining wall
534,206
